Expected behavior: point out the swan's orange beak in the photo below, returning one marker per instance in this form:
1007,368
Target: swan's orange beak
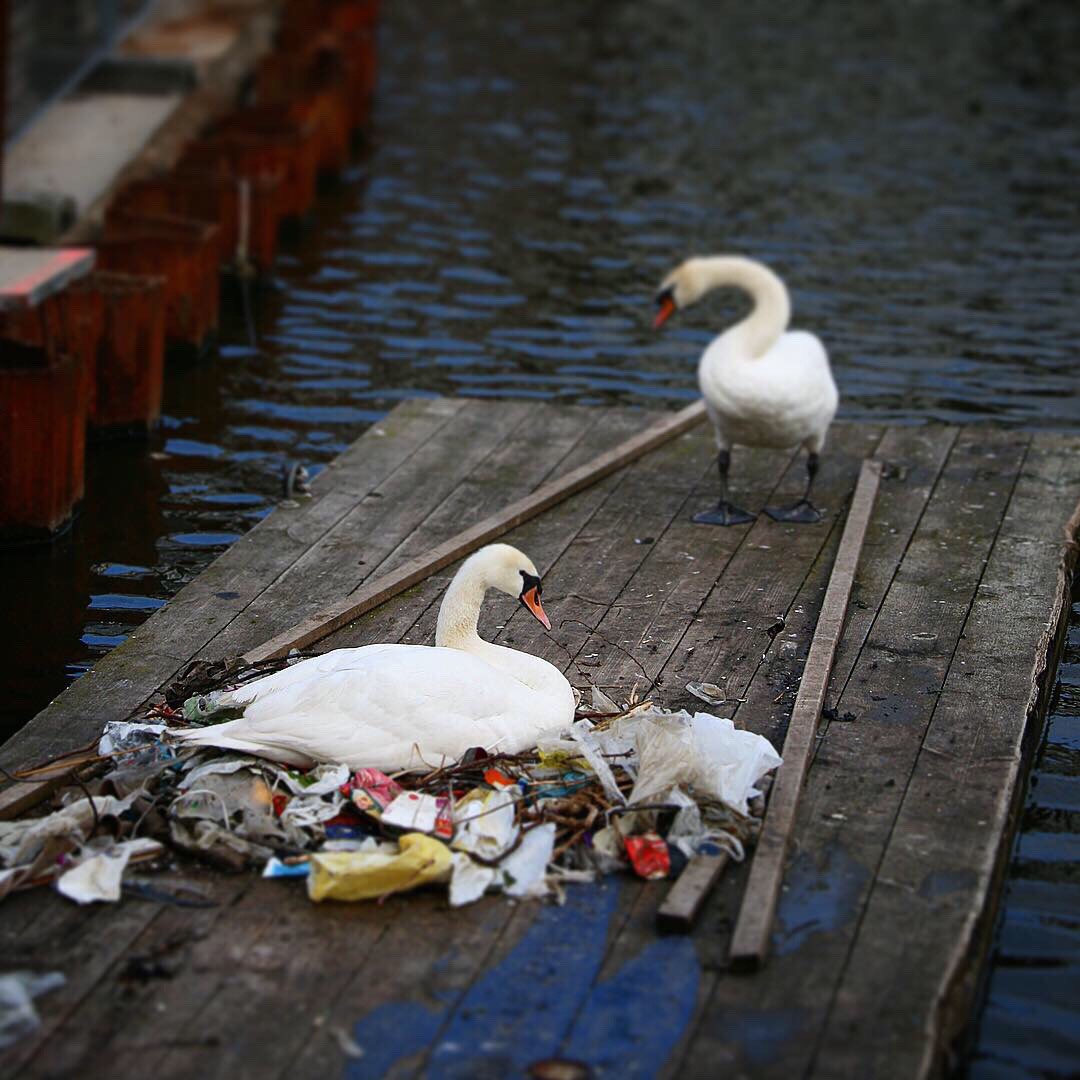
531,599
665,311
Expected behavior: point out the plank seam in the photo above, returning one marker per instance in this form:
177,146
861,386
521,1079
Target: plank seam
839,692
861,914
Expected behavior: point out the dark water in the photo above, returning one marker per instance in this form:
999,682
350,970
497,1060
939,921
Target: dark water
1030,1025
909,167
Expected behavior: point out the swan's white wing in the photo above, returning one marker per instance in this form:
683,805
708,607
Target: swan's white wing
312,667
390,700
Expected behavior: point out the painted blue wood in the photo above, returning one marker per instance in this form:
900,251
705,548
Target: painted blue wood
542,1000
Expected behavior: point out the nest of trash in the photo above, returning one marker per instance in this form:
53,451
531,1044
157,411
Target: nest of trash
628,788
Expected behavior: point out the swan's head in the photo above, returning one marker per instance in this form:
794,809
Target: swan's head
685,285
505,568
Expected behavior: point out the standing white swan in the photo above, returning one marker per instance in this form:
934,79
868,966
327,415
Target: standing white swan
393,707
764,385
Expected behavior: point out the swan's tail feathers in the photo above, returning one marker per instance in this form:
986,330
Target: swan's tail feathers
221,737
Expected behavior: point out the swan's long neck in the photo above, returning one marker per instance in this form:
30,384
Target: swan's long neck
761,329
459,612
456,629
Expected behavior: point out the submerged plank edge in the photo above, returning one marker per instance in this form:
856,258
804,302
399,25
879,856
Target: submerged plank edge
750,942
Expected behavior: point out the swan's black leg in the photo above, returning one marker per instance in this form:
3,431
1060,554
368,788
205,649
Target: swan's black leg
725,513
803,512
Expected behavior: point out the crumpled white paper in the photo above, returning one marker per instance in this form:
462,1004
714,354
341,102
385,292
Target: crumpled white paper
97,877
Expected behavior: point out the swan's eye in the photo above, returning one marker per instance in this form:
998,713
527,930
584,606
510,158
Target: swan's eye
529,582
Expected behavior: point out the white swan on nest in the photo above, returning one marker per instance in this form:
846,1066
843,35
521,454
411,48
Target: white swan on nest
393,707
763,385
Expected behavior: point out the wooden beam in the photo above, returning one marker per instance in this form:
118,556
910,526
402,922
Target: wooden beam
753,930
680,908
371,595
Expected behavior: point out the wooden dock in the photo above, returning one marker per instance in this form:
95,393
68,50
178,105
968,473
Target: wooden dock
890,890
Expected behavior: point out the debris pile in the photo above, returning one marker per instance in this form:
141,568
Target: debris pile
638,788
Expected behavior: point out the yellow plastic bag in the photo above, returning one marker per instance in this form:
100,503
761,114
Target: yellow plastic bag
365,875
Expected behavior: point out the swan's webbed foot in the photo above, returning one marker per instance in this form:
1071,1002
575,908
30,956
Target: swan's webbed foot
724,513
804,512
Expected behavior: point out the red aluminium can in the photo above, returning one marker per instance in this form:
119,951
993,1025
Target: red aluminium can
649,855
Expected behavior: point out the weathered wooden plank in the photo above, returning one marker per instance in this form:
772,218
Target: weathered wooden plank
603,557
854,785
280,962
340,561
437,952
753,930
82,944
687,896
724,642
369,596
100,1033
915,457
908,987
658,640
681,568
411,616
124,679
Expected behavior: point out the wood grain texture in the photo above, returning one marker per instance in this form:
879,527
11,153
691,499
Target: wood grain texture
754,928
931,909
855,781
680,908
125,678
934,682
371,595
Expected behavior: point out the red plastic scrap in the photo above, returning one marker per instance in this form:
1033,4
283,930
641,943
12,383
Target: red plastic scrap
649,855
497,779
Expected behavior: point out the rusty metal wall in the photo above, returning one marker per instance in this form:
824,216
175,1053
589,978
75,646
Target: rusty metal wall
52,44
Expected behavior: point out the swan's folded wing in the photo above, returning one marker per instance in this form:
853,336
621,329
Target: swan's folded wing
388,703
314,667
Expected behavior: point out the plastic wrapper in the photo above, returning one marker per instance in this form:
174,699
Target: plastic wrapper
322,780
468,880
18,1017
22,841
126,735
371,791
350,875
582,734
523,872
485,822
703,753
275,868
